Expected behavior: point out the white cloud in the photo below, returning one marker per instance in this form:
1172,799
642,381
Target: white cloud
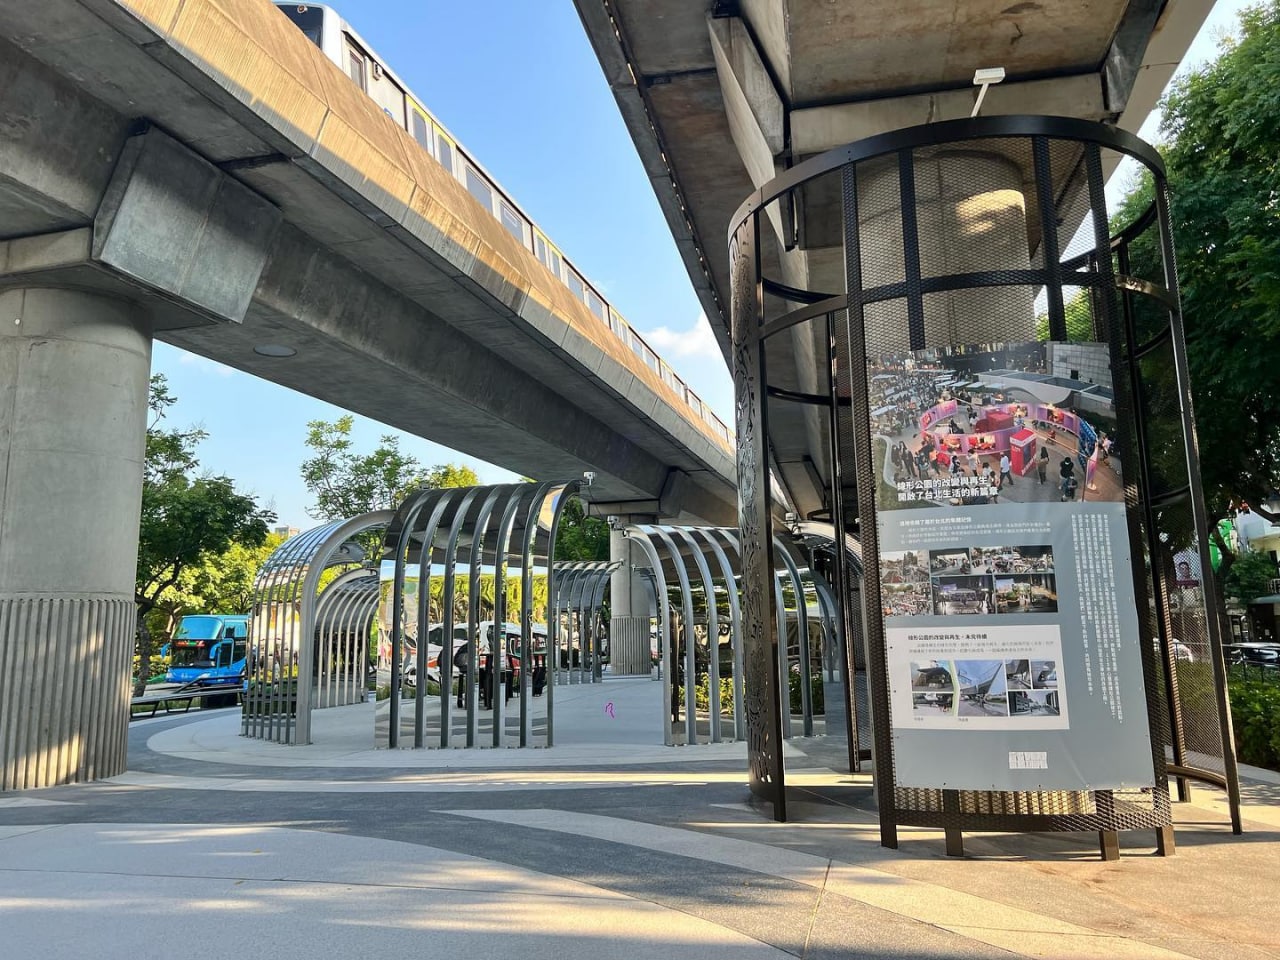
696,343
204,363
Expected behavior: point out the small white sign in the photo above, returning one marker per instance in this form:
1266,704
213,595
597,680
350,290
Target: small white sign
1028,760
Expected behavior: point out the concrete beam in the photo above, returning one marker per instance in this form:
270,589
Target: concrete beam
175,223
816,129
58,149
747,86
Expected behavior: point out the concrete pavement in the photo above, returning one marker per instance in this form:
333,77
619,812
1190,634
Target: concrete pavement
215,845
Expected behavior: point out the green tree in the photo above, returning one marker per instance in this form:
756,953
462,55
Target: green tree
184,520
218,583
1079,319
1222,154
347,484
1250,577
580,537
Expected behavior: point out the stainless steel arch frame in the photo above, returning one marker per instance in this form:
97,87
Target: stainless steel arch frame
688,561
291,629
580,588
490,529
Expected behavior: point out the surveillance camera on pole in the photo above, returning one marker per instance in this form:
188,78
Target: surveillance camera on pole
984,78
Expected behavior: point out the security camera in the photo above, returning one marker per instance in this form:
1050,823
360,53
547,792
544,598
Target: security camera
611,520
589,477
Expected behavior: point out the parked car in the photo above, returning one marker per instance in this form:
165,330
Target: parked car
1253,654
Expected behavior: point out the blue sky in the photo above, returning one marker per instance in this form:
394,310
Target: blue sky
518,84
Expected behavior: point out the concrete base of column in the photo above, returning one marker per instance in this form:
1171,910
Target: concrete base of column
629,645
74,369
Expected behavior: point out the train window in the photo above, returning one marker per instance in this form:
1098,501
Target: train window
356,67
310,20
540,249
574,283
480,189
553,264
595,303
617,325
444,150
512,220
421,130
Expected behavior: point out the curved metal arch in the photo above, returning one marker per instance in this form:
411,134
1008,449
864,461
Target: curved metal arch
527,667
345,611
397,538
498,636
735,622
730,538
275,709
597,602
802,634
713,633
690,659
441,504
945,133
637,535
568,491
445,660
480,532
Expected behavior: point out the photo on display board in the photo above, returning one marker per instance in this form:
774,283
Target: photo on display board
954,596
904,583
950,561
1004,560
1017,674
997,423
1033,703
982,687
933,704
932,675
1044,674
1026,593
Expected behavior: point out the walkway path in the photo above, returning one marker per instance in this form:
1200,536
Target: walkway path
609,846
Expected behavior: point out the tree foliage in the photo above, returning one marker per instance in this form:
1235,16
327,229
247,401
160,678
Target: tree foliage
1250,577
185,519
580,537
1222,153
347,484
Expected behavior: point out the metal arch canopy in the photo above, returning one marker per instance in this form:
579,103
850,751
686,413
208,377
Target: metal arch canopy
279,691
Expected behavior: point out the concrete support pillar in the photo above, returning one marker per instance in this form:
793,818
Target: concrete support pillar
74,369
971,216
628,611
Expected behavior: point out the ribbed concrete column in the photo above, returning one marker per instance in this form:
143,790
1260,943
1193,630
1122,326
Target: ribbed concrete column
74,370
628,612
971,216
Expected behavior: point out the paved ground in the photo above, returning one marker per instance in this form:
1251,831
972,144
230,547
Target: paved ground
606,846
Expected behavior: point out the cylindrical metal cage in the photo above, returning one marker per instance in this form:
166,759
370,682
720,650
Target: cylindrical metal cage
985,243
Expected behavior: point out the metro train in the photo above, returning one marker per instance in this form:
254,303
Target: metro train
341,44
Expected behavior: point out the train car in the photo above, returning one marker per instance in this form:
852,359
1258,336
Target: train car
341,44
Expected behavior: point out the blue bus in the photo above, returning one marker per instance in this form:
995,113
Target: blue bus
209,649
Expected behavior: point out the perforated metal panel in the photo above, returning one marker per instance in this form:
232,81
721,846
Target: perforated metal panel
963,235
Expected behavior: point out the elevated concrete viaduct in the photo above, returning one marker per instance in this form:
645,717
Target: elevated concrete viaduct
721,96
198,172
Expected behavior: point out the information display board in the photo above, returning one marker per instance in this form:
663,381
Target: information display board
1011,628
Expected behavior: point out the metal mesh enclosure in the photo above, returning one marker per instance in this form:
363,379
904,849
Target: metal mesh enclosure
985,243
